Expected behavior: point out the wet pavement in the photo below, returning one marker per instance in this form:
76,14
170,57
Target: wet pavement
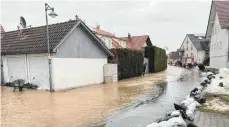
206,119
134,102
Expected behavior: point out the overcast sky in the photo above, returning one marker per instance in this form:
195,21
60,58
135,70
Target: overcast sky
166,21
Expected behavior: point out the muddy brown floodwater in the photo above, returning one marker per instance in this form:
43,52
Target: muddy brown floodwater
71,108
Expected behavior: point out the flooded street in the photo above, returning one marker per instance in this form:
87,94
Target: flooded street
149,107
133,102
71,108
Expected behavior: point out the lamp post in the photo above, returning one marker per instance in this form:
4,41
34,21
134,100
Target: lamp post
53,15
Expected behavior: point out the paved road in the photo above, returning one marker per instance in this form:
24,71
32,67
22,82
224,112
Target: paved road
205,119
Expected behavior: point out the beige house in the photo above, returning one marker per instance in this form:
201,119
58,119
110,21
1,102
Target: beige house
110,40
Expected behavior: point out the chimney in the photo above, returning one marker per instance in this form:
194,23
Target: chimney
98,27
129,36
2,29
77,18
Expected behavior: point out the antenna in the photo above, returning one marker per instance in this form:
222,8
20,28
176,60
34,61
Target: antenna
22,22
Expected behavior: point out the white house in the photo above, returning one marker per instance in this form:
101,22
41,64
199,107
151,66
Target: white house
194,47
110,40
218,33
77,56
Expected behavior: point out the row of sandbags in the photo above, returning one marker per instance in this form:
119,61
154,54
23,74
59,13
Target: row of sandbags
219,82
184,113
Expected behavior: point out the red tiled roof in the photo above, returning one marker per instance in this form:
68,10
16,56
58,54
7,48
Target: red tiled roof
222,9
2,29
137,42
102,32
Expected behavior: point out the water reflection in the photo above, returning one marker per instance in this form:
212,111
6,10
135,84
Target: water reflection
178,86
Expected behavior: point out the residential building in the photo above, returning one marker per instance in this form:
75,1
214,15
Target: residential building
77,56
138,42
173,56
218,33
194,48
110,40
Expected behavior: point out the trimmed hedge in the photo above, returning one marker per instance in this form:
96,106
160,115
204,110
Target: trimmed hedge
157,58
130,62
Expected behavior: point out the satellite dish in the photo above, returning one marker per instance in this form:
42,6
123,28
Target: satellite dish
22,22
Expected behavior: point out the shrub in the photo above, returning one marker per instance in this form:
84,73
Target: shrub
157,58
206,61
130,62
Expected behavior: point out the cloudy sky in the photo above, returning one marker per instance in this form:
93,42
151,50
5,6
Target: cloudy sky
166,21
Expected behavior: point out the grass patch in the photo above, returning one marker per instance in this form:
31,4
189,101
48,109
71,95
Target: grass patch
204,109
209,97
224,99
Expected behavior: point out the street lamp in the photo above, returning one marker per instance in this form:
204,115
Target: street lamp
53,15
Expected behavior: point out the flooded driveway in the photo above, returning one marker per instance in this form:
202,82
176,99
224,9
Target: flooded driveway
132,102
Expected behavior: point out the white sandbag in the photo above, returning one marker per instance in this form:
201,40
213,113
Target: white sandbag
175,113
176,122
173,122
191,110
203,74
190,115
188,101
209,73
192,107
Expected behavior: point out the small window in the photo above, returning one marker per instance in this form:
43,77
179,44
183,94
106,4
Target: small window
221,45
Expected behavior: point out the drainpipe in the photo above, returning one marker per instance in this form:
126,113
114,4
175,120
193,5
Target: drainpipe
228,47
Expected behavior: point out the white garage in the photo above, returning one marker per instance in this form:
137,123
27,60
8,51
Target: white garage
32,68
77,56
38,70
16,67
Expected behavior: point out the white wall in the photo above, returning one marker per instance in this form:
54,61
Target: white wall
189,49
108,41
76,72
201,55
219,46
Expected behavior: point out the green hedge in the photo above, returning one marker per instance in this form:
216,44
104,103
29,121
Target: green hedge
130,62
157,58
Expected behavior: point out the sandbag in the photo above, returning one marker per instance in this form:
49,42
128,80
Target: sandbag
188,101
180,106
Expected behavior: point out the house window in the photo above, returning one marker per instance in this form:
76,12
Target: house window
187,48
191,47
220,44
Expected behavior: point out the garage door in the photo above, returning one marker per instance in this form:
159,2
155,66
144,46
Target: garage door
38,70
17,67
